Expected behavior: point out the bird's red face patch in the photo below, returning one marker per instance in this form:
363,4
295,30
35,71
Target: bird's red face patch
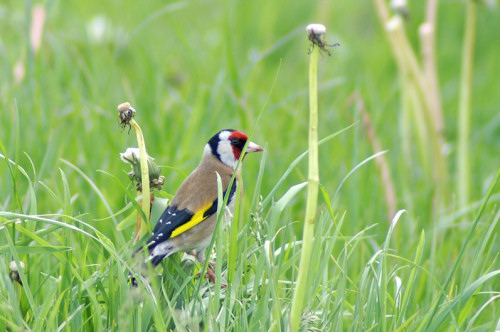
238,141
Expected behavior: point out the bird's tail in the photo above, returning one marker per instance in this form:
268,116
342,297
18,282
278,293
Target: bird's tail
140,263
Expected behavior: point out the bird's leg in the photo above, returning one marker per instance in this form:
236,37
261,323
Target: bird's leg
210,275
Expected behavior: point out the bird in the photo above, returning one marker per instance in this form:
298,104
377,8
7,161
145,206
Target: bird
188,222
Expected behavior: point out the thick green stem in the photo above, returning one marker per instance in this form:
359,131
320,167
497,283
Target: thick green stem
464,109
312,195
142,225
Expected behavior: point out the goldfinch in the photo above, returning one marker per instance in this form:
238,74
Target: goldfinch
188,223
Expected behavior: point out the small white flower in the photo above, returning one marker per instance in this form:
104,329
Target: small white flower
317,29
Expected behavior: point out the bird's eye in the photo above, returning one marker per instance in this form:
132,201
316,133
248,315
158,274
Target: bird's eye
239,143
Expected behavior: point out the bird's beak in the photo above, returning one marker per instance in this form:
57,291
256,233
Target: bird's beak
252,147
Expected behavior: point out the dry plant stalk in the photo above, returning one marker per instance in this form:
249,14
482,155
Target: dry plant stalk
126,113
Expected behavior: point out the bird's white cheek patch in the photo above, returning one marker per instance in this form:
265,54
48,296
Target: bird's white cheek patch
225,150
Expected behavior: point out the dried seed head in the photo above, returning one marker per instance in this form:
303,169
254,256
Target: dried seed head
316,33
316,29
126,113
13,266
157,183
14,271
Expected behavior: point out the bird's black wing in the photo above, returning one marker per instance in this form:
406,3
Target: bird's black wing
171,219
174,222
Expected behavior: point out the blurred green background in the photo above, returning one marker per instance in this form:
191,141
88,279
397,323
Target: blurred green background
193,68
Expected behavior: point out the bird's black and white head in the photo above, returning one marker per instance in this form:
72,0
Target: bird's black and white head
227,146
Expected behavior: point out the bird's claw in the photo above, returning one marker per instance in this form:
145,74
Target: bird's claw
210,275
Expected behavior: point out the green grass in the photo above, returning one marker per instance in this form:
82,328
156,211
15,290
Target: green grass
193,68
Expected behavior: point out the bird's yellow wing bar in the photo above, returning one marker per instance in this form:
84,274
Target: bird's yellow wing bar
195,220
